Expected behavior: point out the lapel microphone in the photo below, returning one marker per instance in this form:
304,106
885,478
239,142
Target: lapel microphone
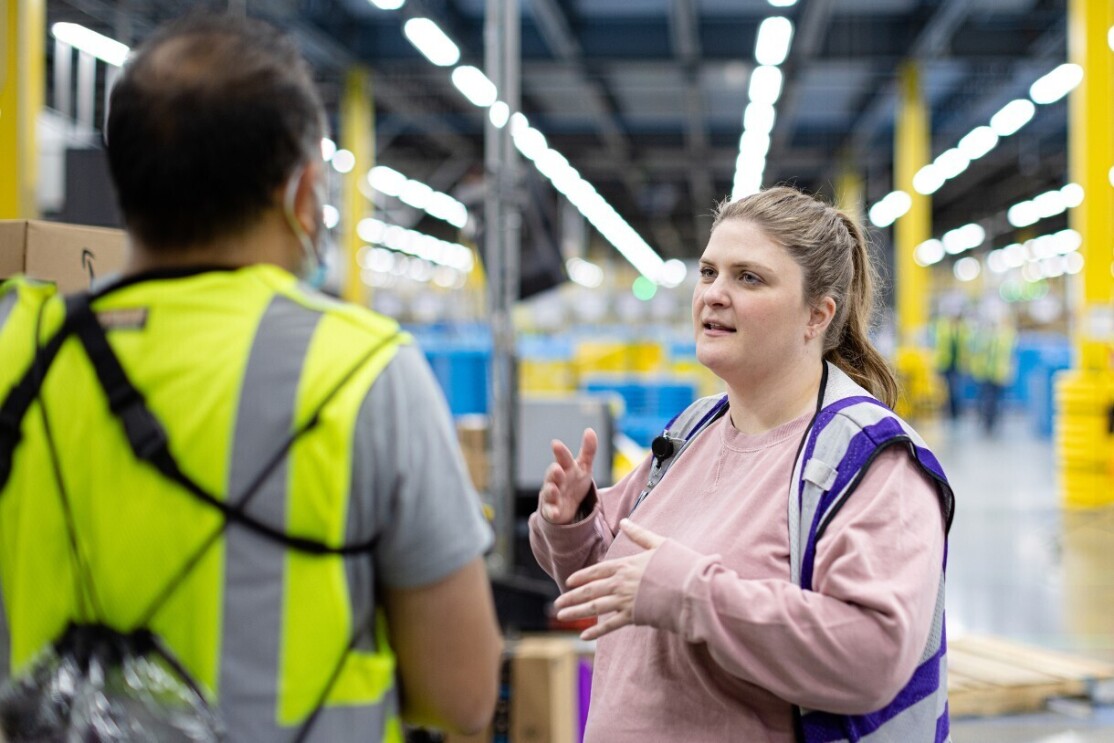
662,447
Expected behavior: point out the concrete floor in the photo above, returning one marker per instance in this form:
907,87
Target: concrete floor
1020,567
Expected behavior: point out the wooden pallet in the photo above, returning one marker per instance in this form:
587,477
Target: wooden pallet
991,676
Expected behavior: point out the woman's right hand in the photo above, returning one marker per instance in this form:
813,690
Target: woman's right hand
567,480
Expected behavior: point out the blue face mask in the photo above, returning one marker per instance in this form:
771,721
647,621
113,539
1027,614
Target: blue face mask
312,270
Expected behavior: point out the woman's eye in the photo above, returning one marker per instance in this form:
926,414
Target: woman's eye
707,273
749,278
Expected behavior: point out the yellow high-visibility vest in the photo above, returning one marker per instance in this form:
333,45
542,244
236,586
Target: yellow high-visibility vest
229,361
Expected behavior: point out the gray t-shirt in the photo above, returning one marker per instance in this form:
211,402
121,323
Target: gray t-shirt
408,474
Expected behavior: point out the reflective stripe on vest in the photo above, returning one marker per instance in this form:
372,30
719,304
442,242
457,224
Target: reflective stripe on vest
262,630
850,431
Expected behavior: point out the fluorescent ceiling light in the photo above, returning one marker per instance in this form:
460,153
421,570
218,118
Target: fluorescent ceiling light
531,143
91,42
996,262
754,144
499,113
967,269
328,149
1049,204
759,117
416,194
765,84
783,3
1067,241
343,161
928,180
750,162
1073,263
951,162
388,4
475,86
1022,214
963,238
889,208
928,253
417,244
774,37
673,272
1012,117
386,180
1014,254
978,142
1073,195
1056,84
428,38
584,272
746,183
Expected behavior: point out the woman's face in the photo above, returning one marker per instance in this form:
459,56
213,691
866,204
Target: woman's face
748,310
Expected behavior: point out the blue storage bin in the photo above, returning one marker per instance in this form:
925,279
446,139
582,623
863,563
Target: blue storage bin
642,428
464,375
649,403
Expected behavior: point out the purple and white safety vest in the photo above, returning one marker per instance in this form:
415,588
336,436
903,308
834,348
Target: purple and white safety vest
850,429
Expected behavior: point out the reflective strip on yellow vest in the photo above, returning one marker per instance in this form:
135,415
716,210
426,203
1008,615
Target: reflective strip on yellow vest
229,361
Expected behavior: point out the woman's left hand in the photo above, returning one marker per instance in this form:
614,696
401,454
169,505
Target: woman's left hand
609,586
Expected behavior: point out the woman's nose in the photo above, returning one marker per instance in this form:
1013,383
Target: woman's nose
714,292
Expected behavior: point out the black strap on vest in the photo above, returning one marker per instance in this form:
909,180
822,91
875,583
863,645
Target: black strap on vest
146,435
19,399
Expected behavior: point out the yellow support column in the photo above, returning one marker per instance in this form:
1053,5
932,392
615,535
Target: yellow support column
357,126
1085,395
911,283
22,82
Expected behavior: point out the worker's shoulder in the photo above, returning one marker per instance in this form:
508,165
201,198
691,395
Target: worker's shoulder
343,318
850,407
23,299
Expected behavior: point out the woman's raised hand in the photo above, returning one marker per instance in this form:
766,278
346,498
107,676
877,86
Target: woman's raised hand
567,480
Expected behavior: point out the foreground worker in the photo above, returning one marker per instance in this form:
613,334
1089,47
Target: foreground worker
263,477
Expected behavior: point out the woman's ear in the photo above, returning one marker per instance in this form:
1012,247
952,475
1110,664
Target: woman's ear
820,316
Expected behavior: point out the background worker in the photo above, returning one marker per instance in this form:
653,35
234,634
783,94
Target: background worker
213,142
992,361
952,336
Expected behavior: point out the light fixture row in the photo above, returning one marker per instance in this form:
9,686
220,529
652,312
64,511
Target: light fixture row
775,36
977,143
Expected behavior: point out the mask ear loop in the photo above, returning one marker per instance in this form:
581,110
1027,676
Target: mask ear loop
312,257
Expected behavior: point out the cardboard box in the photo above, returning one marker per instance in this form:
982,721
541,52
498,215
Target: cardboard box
472,432
544,691
71,256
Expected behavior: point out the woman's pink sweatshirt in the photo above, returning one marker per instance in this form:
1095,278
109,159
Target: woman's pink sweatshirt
723,644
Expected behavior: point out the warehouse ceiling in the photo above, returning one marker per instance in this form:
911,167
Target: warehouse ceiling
646,97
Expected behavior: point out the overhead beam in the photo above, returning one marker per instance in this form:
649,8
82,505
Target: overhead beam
684,31
558,35
665,162
930,43
808,41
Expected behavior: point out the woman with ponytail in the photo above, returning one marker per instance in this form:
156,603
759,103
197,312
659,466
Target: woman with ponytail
774,571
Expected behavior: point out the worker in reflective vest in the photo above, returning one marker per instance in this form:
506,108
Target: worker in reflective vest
325,412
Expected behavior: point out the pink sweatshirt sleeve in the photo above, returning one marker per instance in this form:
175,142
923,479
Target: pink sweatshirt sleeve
561,550
846,647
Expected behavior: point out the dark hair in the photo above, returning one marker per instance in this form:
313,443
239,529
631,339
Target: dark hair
831,250
209,116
